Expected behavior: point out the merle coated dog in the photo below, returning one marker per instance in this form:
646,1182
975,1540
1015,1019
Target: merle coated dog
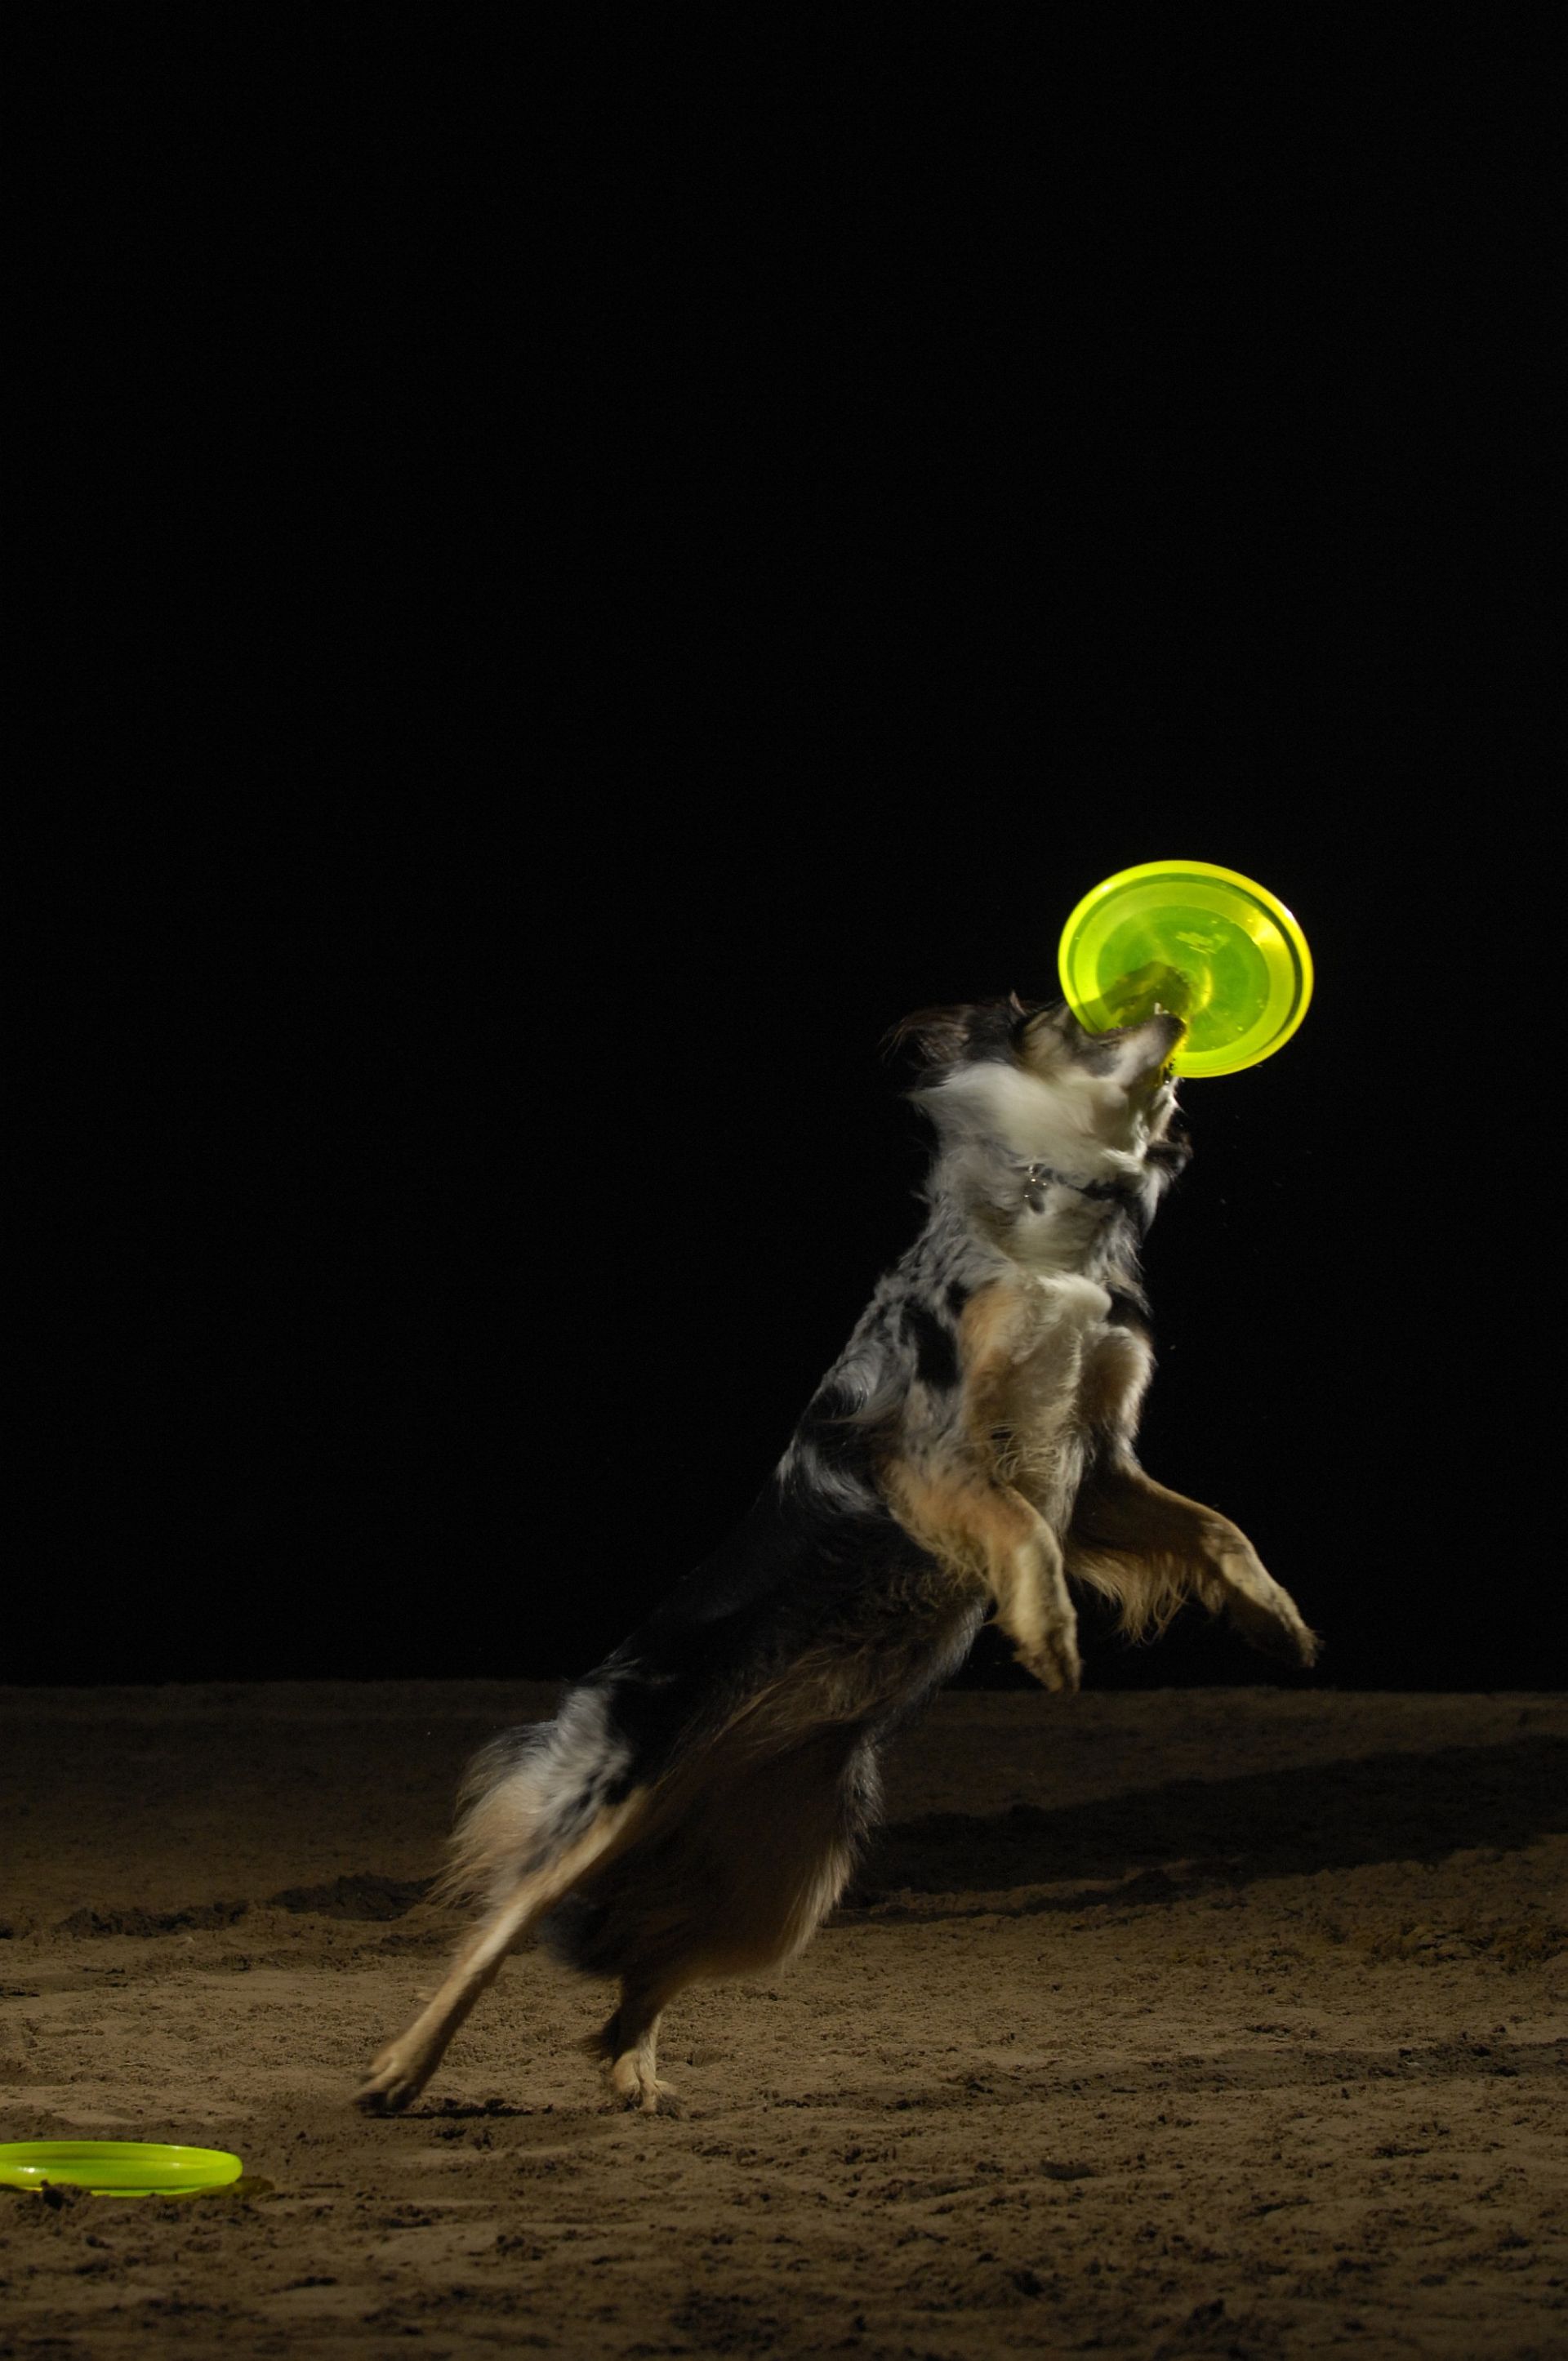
696,1807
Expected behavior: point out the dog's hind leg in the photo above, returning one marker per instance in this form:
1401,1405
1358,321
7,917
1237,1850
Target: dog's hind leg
406,2065
628,2047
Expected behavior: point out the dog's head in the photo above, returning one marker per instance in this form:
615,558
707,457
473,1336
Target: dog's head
1034,1079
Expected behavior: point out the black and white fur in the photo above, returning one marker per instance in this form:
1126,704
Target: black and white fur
696,1807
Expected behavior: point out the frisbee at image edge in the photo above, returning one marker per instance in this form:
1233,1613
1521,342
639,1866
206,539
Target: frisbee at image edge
1205,942
118,2167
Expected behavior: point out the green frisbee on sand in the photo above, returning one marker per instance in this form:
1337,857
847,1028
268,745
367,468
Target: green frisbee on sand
1207,944
118,2167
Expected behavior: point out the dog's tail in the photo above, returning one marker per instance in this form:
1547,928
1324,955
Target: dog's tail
529,1794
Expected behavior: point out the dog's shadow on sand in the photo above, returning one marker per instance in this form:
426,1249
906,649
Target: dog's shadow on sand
1381,1808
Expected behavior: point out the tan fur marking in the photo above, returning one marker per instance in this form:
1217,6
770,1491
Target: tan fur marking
965,1521
1150,1549
987,1333
988,1532
1115,1376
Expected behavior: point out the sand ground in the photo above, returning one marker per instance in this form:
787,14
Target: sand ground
1181,2024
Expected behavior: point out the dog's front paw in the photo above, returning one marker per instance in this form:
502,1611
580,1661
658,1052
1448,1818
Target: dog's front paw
1270,1621
1054,1661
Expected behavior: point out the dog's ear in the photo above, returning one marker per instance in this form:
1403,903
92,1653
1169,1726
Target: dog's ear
1042,1027
932,1038
941,1038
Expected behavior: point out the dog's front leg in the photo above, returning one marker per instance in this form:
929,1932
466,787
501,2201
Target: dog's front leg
1184,1548
986,1531
1036,1610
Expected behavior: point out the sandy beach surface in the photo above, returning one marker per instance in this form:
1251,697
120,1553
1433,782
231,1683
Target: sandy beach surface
1177,2024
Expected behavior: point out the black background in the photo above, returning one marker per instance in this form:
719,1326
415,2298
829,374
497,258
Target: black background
578,588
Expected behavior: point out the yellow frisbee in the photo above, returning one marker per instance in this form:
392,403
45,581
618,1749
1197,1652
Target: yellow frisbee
118,2167
1207,944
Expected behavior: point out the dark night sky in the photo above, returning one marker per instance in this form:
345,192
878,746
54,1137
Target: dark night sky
579,608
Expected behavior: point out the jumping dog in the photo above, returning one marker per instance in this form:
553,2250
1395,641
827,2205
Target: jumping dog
696,1805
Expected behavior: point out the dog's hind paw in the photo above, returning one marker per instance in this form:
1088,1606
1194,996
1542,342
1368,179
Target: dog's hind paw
390,2084
639,2090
